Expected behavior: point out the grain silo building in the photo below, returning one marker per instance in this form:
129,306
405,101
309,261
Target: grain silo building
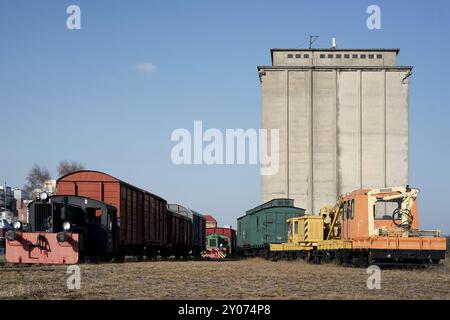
343,121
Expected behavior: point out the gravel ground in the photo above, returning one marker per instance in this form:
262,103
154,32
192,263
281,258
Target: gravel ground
244,279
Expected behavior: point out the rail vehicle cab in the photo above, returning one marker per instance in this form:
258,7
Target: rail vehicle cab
61,230
380,212
218,247
385,221
365,226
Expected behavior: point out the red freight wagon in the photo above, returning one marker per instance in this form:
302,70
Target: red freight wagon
142,215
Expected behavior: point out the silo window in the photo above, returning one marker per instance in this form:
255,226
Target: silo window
363,56
290,56
371,56
339,56
322,56
330,56
306,56
379,56
346,56
354,56
298,56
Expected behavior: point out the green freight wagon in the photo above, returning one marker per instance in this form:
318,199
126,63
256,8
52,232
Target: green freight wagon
265,224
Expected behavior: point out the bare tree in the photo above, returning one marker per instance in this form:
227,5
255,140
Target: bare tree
66,167
36,177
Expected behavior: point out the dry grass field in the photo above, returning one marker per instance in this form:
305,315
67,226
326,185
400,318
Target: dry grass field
245,279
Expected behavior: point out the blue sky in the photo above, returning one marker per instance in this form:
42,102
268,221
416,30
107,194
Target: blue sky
78,94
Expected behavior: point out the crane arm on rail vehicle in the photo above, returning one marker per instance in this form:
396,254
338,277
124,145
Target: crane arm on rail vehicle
407,196
336,211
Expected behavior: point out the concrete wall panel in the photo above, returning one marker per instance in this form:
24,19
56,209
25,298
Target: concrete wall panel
298,135
396,129
373,128
274,116
324,138
349,124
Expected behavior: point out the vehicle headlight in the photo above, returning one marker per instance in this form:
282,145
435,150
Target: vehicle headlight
43,196
66,225
17,225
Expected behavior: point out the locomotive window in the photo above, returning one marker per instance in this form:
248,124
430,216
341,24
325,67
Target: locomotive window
110,220
296,227
384,209
213,242
257,221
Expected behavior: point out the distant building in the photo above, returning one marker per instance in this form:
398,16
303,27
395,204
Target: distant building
7,204
17,201
342,116
23,198
20,194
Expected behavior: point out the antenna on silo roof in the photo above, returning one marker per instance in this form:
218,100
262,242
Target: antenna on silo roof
312,39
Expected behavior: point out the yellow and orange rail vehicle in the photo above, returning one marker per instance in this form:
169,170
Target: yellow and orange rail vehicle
366,226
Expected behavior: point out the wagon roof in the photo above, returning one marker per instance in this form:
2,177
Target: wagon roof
274,203
109,178
209,218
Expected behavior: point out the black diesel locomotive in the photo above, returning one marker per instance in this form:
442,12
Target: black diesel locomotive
68,229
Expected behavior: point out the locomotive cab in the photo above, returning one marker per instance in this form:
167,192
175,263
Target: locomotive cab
63,229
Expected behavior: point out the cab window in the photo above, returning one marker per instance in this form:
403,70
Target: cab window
345,210
385,209
352,209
